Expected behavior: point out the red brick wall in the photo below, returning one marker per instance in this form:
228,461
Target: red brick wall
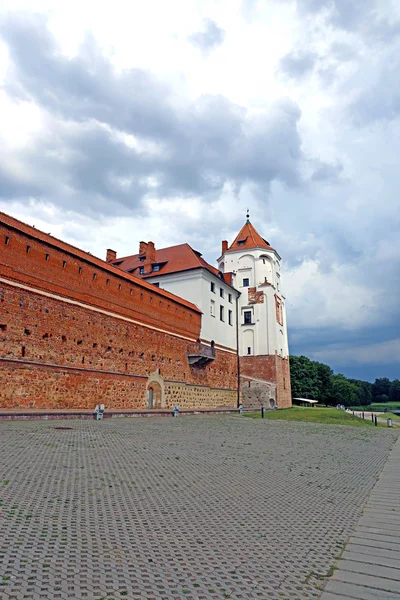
77,275
270,368
61,338
58,353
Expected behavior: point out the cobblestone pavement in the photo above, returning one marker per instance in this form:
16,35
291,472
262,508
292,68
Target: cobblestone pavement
195,507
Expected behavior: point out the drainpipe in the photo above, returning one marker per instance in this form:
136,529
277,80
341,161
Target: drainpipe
237,349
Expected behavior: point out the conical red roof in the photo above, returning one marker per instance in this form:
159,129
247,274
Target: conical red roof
248,237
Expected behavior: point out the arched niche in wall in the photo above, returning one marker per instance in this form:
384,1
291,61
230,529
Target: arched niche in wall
246,261
265,269
248,342
155,392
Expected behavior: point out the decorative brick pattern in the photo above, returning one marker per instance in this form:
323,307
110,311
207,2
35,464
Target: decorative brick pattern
255,297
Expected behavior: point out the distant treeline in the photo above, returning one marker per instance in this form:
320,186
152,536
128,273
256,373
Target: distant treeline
316,381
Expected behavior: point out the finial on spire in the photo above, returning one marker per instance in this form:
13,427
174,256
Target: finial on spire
248,216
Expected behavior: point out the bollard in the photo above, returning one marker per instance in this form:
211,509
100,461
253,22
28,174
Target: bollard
389,423
363,415
262,411
372,417
353,413
376,421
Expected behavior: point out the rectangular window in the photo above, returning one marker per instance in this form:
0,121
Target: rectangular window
230,298
28,249
247,317
94,276
80,270
64,264
156,284
7,240
141,271
230,317
47,256
221,313
248,350
246,282
213,287
221,292
156,267
107,282
212,308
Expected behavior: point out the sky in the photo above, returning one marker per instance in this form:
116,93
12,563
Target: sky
165,121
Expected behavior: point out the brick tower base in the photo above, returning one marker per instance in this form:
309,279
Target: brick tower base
265,380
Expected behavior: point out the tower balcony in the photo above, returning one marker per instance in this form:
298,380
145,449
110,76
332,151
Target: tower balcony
200,354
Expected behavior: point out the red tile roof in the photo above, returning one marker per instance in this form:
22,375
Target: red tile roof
170,260
248,238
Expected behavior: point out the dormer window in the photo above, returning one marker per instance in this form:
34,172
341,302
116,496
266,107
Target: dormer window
142,258
156,267
241,242
141,270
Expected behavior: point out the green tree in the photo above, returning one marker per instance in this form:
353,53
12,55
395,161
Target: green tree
303,377
380,387
344,392
382,398
324,382
365,391
394,391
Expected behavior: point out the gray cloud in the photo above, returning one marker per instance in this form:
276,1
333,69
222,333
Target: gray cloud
190,150
347,14
209,38
327,172
298,64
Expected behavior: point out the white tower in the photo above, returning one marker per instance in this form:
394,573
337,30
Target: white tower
262,332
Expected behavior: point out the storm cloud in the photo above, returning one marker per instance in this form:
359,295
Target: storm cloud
119,138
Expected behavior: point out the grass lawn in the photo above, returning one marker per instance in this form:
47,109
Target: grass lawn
330,416
390,415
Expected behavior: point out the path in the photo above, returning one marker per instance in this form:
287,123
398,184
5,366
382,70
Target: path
369,568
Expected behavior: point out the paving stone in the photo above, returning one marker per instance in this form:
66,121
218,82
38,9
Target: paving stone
195,508
349,590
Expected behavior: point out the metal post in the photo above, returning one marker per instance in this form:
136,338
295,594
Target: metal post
262,411
362,414
376,421
372,417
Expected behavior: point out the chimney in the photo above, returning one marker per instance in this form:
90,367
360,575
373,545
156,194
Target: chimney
111,255
142,248
150,257
224,246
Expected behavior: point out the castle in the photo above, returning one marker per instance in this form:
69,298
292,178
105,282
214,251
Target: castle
148,331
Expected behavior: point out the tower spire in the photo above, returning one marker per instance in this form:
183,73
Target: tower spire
248,216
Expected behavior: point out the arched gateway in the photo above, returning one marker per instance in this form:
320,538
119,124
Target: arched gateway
155,394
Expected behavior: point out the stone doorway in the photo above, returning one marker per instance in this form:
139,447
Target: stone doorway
155,391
